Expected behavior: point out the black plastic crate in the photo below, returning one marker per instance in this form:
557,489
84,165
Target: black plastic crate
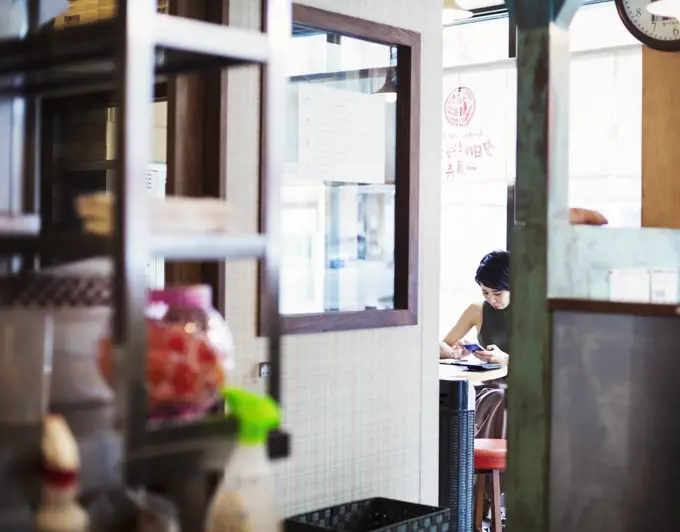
373,515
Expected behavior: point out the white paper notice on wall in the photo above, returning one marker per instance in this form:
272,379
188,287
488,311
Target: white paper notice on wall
341,135
664,286
631,285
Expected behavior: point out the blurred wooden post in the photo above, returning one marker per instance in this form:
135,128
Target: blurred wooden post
197,142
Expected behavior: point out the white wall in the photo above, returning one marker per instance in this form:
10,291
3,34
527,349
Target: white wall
362,406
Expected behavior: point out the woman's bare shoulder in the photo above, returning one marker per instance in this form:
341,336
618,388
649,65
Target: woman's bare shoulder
475,307
474,314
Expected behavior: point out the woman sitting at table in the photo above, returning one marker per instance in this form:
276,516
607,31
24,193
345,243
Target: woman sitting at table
489,317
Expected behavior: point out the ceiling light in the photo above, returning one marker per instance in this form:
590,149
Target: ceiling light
452,12
390,97
389,88
665,8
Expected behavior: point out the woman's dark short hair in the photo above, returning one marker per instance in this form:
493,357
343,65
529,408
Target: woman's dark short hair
494,271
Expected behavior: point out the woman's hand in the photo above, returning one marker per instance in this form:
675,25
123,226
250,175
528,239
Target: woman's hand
457,351
445,350
493,355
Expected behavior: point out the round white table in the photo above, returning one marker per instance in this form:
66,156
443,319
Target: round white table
452,371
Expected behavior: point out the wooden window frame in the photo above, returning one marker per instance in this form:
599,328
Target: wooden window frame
407,169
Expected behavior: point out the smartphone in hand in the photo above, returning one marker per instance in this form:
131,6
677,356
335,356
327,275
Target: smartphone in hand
473,348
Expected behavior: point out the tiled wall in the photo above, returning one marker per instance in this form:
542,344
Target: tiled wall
362,406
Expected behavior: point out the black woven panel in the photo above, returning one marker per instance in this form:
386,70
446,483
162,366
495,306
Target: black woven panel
373,515
456,465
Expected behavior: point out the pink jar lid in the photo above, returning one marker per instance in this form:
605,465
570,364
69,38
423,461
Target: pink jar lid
193,296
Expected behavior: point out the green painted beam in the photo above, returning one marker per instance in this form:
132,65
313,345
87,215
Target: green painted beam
542,157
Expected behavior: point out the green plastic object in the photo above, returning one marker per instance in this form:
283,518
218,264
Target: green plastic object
256,414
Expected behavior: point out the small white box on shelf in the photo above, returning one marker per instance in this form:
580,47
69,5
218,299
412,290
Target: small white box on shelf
664,286
630,285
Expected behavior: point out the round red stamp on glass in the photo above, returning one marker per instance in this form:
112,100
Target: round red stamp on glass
460,106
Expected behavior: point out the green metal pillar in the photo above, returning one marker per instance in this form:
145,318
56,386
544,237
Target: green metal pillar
541,202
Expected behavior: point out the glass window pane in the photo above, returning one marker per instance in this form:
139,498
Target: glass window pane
313,54
606,134
598,26
604,139
338,188
307,54
475,42
356,54
477,164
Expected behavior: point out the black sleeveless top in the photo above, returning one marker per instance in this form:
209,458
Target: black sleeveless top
495,327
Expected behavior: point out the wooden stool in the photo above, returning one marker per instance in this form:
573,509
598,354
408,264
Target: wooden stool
490,458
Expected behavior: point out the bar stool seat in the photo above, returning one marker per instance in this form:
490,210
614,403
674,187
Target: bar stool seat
491,456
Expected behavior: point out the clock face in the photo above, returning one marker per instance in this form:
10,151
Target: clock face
661,33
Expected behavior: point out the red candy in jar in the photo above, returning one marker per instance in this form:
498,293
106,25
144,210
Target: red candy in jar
190,352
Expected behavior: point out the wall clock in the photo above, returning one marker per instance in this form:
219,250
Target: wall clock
660,33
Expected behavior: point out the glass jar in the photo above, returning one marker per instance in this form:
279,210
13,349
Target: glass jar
190,352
